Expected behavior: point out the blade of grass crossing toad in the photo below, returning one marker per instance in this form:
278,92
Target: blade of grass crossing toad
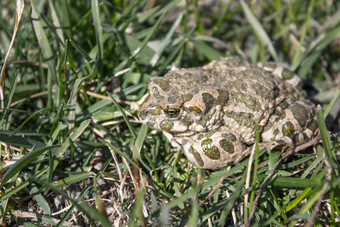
258,29
132,130
23,162
166,40
44,44
139,142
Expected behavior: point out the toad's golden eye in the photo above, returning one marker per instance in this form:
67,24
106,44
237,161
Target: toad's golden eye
172,113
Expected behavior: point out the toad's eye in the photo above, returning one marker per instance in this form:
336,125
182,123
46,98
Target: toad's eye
172,113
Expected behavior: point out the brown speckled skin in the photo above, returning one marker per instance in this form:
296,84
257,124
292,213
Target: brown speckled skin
211,111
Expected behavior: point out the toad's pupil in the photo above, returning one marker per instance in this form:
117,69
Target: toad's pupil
172,112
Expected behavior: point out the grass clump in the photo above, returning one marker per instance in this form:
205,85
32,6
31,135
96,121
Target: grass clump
73,152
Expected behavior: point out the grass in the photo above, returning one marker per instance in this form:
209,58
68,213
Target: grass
73,152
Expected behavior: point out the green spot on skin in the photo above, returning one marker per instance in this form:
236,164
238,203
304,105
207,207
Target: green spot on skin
208,100
222,98
210,149
196,109
288,129
300,113
166,125
229,136
163,84
227,146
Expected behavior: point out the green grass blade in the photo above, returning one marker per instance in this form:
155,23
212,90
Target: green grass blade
304,30
230,201
10,97
205,49
98,30
56,22
29,118
78,132
331,104
137,212
23,162
139,142
148,37
132,130
39,198
259,30
44,44
166,40
295,182
324,135
72,179
311,56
